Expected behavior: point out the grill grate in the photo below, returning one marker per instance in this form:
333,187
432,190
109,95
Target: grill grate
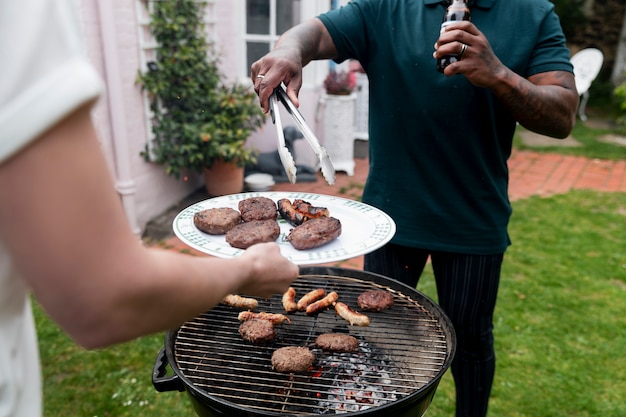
400,352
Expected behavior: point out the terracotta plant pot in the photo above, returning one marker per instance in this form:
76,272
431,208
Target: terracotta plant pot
223,178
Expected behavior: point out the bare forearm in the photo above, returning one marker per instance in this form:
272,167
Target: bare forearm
296,48
164,289
545,103
144,290
69,239
311,41
160,291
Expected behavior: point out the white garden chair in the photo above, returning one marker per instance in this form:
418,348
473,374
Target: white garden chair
587,64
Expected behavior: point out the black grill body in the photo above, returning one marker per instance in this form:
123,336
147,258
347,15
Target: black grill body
402,356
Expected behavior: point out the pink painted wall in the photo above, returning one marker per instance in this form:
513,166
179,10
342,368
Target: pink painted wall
112,36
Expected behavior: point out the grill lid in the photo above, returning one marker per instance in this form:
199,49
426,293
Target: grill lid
402,353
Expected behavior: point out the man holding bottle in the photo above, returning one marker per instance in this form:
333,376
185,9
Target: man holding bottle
439,142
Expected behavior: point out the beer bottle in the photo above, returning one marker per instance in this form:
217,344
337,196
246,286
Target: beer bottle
456,11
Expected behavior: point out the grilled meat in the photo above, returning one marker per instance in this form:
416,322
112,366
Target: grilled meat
314,233
300,211
289,300
351,316
249,233
310,297
257,208
292,359
337,342
216,221
242,303
288,212
274,318
257,331
375,300
321,305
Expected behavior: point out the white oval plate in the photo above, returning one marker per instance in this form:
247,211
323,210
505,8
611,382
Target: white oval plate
363,228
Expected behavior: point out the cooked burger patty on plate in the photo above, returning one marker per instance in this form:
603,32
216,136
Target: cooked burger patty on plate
314,233
337,342
247,234
258,208
292,359
216,221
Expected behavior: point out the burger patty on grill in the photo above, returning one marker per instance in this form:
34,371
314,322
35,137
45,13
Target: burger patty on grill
216,221
314,233
292,359
247,234
337,342
257,330
375,300
258,208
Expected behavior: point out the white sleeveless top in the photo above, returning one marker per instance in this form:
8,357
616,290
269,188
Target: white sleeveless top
44,75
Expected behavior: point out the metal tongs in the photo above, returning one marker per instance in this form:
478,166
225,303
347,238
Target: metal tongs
328,170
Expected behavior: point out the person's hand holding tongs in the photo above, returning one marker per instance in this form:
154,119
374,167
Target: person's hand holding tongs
286,158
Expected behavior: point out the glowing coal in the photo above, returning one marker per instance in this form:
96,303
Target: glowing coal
360,381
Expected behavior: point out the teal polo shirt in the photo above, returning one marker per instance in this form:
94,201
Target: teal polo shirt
438,145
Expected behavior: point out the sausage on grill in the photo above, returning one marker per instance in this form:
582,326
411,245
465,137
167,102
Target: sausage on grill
351,316
275,318
242,303
289,300
310,297
321,305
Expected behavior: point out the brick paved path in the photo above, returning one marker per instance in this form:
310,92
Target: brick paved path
531,173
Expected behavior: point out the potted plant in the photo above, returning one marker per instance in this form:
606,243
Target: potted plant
341,83
199,122
338,106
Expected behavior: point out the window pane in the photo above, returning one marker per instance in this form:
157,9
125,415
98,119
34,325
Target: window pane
255,51
287,14
258,18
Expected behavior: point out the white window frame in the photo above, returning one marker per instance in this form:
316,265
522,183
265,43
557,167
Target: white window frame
269,38
314,73
148,46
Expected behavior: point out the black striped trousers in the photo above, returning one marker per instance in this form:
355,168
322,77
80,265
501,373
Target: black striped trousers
467,288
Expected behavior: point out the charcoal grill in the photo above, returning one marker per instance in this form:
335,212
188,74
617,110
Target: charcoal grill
402,356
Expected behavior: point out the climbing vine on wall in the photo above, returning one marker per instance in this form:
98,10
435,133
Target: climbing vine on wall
198,118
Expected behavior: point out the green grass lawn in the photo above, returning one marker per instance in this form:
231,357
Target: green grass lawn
560,322
560,328
590,144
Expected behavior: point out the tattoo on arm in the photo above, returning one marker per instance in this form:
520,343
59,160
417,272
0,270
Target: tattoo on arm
311,39
545,103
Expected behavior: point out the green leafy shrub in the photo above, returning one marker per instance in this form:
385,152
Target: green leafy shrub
620,96
197,119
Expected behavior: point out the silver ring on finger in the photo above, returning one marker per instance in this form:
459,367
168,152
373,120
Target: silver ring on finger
463,49
260,76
